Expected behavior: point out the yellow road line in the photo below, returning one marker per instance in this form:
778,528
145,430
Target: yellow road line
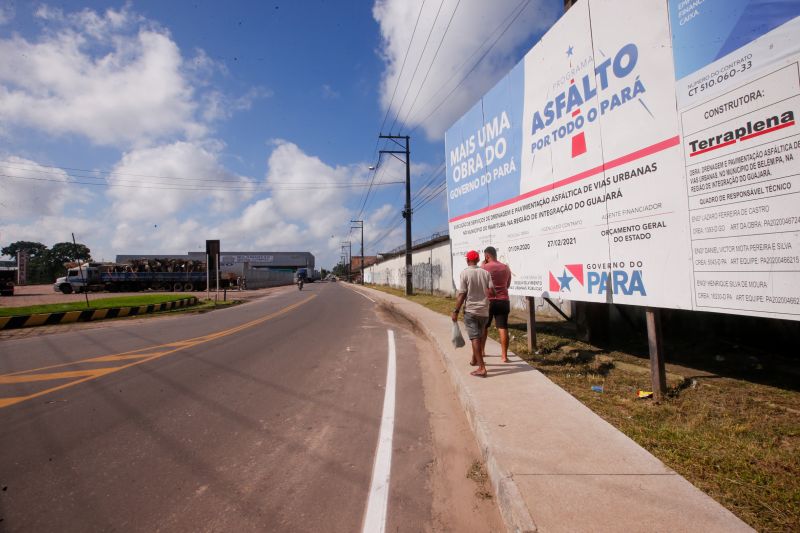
4,402
28,378
140,356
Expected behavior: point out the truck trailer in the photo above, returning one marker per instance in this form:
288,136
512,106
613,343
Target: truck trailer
96,277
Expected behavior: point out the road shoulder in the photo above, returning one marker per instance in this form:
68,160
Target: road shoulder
558,466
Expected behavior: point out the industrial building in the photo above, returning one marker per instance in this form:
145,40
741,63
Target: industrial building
256,269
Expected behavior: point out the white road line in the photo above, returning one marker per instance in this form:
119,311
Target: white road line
375,517
364,295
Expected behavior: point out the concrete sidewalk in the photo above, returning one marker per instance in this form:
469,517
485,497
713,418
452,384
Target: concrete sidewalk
554,464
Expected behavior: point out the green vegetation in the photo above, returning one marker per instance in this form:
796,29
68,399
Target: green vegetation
100,303
736,439
47,264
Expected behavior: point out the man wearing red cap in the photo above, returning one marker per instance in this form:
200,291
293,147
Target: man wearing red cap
474,289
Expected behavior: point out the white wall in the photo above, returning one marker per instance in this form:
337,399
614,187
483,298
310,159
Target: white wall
433,272
431,268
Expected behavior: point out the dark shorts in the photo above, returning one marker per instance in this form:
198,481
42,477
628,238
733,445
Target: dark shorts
499,310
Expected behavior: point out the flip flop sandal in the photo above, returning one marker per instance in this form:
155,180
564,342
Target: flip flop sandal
479,374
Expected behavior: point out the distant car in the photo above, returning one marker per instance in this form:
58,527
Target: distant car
7,282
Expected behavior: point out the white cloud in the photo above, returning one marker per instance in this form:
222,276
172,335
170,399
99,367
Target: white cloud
298,205
113,77
50,229
219,106
7,12
328,93
168,236
307,189
29,190
154,184
472,24
91,77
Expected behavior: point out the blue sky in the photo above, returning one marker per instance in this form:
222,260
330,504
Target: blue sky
148,127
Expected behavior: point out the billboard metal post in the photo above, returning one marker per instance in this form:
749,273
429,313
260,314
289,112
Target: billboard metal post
208,280
656,345
216,275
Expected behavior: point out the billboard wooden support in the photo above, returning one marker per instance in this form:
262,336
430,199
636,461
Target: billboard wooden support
532,345
656,344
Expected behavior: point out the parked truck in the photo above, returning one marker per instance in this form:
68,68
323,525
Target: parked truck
122,278
311,274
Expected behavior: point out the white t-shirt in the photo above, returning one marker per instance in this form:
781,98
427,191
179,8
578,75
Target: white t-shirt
475,282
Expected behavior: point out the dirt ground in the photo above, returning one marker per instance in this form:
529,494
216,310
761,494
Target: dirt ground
462,496
44,294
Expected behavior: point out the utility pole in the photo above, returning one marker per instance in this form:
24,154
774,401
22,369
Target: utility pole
407,208
360,225
347,248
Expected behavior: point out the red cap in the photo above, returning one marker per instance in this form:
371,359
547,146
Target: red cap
472,255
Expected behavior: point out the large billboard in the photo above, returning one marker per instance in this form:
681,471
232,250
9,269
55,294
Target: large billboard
642,153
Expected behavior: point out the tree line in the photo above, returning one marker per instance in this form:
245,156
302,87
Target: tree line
46,264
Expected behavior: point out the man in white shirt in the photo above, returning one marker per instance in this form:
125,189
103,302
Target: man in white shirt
474,289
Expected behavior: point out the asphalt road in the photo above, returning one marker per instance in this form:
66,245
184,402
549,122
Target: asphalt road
262,417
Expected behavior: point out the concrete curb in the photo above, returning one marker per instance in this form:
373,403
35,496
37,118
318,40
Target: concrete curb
88,315
515,513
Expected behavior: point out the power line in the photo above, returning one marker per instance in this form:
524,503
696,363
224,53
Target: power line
519,11
430,199
419,61
188,188
402,67
388,109
432,190
435,192
435,55
369,190
108,173
395,224
433,177
180,179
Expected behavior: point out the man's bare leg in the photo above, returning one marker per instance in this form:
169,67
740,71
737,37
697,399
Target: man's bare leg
503,343
477,355
483,340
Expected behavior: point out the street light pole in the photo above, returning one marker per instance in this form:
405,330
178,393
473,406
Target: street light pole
360,225
407,208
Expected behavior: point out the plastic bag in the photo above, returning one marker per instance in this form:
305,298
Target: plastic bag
458,340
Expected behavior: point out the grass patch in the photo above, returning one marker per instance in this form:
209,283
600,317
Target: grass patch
477,473
736,438
100,303
210,305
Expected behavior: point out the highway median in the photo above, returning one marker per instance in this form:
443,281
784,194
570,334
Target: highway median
100,309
